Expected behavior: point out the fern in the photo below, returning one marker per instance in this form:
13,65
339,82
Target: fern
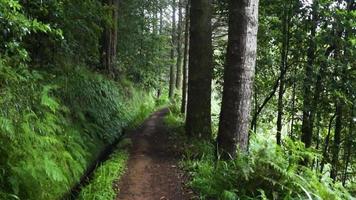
267,172
51,131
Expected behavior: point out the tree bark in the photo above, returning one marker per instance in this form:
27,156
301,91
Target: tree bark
198,121
109,40
326,145
337,141
159,90
160,19
238,77
185,59
293,104
308,118
348,147
283,66
172,76
179,46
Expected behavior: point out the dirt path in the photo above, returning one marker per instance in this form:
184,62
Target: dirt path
152,172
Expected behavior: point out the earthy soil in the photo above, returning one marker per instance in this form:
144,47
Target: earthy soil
152,171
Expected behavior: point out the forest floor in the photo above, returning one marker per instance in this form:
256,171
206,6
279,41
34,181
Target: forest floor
152,172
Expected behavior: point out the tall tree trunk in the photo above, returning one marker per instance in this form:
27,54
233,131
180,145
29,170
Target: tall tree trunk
308,118
172,77
185,59
254,122
155,21
293,104
283,66
326,145
109,40
198,121
349,144
159,90
348,147
160,19
179,45
238,77
337,141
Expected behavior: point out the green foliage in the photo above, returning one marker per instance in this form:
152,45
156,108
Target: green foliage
143,50
96,103
101,187
15,26
79,25
267,172
55,117
40,147
47,142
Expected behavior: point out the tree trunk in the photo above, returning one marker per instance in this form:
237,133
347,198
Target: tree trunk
198,122
185,59
308,118
348,147
283,66
293,104
172,77
179,45
337,141
160,19
109,40
238,77
159,90
254,122
326,145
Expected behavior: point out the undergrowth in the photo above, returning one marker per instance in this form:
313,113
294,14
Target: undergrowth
53,125
268,171
101,186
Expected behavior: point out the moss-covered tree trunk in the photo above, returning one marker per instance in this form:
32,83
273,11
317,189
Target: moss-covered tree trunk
198,121
238,77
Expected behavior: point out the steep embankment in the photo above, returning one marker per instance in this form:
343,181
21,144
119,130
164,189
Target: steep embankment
53,125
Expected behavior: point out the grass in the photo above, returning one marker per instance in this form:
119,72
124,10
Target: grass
101,187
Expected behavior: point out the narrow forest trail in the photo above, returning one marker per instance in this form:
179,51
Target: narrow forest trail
152,172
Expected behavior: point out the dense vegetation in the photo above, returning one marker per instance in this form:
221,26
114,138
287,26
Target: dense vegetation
57,111
266,118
